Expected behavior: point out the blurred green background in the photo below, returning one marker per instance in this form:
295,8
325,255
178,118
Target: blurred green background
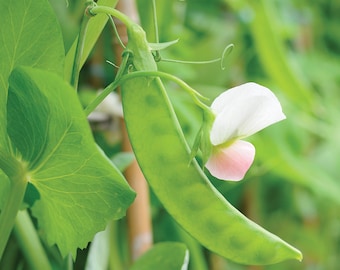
292,47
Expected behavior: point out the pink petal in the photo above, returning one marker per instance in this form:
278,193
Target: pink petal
233,162
243,111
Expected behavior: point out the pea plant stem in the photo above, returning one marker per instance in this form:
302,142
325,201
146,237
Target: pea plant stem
30,242
13,169
120,79
113,12
8,163
115,259
111,87
79,51
9,212
195,95
157,54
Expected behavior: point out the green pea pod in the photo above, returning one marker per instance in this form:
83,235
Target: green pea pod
184,190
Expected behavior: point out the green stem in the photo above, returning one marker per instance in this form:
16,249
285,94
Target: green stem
192,62
111,87
113,12
155,20
122,78
155,23
79,50
11,207
29,241
168,76
69,262
227,50
9,164
116,32
115,260
9,259
15,172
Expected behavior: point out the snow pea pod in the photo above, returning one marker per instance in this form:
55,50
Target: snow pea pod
187,194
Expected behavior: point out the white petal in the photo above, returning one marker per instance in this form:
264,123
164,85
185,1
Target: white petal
243,111
233,162
111,105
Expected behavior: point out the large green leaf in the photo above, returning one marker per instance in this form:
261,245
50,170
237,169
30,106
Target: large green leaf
274,57
80,189
165,256
290,159
30,35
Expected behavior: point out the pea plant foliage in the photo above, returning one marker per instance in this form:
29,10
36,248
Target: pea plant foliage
51,165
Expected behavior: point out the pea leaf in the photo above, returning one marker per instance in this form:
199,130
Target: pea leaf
165,256
80,189
30,36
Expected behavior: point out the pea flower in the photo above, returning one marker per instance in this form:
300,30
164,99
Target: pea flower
239,113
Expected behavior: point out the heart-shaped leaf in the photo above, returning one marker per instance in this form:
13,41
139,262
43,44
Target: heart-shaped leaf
23,43
80,189
30,35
